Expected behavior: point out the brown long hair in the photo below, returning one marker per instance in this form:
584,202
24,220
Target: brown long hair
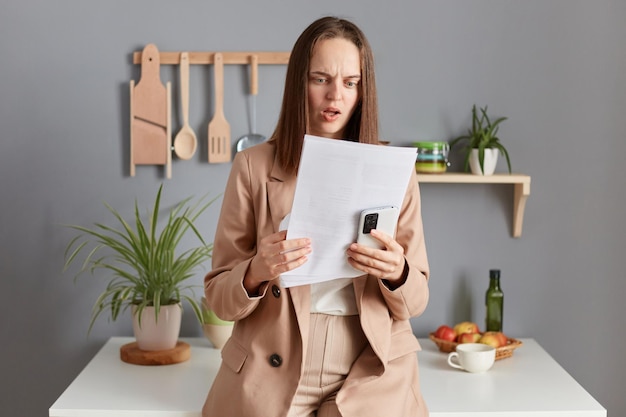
293,120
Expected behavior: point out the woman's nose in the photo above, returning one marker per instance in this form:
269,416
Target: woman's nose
334,91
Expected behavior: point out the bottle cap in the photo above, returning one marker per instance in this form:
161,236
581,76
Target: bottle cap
494,273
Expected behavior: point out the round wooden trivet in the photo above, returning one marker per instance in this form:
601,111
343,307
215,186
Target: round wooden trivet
131,353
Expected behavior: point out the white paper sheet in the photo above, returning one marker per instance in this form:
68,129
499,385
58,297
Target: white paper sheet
336,181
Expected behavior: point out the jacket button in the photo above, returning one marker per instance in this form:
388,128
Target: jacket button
276,291
276,360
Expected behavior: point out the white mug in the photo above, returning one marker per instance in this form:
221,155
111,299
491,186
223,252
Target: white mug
472,357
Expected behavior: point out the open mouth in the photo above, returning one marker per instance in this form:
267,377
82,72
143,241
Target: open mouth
331,114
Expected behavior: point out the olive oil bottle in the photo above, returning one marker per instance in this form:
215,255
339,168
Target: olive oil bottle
494,300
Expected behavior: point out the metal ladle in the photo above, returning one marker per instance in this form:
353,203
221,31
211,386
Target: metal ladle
252,138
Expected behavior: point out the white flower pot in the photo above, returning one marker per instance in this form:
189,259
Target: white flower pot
218,334
218,331
489,162
157,334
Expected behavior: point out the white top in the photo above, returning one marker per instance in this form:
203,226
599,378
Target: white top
335,297
530,383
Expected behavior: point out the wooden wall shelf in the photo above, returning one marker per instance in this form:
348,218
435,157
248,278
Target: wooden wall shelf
520,193
206,58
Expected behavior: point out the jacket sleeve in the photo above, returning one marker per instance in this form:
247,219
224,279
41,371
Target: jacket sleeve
234,247
411,297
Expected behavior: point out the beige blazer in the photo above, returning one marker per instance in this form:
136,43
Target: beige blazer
262,361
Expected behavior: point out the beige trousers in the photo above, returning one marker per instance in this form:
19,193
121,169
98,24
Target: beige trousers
334,344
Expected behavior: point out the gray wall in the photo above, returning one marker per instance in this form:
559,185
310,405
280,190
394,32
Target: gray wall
556,68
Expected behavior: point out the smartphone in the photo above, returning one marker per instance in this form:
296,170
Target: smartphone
384,219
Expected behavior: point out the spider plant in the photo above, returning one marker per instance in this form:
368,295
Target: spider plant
481,136
141,264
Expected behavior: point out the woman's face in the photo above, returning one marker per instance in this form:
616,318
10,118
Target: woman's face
333,87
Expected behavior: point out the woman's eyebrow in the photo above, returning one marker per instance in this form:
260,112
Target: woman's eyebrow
325,74
322,73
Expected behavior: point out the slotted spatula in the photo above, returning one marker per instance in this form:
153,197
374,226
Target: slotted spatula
219,129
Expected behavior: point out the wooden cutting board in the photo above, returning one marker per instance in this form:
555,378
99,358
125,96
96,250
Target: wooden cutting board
150,129
130,353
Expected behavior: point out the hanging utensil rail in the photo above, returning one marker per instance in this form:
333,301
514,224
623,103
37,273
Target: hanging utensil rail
207,58
194,58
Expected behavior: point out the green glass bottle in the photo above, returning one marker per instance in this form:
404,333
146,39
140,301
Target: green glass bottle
494,300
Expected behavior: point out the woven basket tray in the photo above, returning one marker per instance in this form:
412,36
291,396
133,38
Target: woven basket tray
501,352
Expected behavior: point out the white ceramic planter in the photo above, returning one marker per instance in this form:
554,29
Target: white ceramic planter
489,162
217,334
161,334
216,330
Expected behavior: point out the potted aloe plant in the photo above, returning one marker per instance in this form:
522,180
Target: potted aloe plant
144,269
482,144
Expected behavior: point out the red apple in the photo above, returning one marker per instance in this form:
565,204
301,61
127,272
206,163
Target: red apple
466,327
446,333
495,339
490,339
468,337
503,339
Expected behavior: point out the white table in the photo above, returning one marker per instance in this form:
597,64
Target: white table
530,383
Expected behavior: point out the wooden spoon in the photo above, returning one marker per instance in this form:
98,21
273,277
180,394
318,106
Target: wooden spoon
185,142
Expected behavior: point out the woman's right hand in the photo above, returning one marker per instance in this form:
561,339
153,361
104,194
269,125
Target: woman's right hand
275,255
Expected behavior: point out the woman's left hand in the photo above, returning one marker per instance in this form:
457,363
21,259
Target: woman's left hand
386,263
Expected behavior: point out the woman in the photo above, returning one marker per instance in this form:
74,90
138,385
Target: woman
340,348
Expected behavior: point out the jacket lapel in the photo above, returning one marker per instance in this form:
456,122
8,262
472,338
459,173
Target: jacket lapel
301,298
280,190
374,315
